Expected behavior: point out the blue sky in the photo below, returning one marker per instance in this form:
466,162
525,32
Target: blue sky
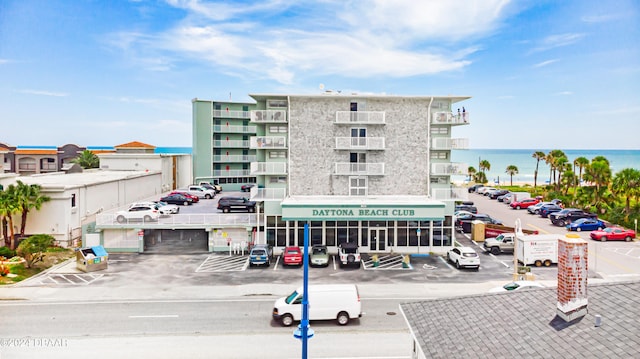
542,74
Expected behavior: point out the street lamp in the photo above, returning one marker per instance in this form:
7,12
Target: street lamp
304,331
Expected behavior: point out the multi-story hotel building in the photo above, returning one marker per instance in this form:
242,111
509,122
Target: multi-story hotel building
370,169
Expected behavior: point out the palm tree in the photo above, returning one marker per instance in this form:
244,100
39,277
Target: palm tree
29,197
87,159
581,162
538,155
626,183
598,173
512,170
552,158
8,207
470,172
561,164
484,166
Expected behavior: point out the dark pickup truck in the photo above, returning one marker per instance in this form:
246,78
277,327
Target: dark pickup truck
568,215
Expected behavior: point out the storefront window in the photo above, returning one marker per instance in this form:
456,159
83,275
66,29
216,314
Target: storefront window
330,236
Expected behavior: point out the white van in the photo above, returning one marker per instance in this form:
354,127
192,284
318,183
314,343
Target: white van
327,301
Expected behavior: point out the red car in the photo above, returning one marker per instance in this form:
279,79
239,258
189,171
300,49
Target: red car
194,198
613,233
292,256
525,203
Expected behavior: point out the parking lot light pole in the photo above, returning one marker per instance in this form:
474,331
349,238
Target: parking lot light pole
304,332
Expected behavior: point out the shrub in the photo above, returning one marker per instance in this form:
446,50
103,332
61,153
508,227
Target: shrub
33,248
7,252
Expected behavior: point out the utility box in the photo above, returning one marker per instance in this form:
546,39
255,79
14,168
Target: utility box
92,259
477,231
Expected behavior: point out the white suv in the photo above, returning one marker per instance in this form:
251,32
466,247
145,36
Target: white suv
163,207
349,254
463,257
139,212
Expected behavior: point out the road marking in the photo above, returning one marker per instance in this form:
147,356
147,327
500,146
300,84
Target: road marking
153,316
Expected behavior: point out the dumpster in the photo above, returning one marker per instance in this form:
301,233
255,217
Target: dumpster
477,231
92,259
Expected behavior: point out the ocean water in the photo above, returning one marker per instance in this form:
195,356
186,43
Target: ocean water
523,159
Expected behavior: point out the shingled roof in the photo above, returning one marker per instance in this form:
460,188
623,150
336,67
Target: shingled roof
524,325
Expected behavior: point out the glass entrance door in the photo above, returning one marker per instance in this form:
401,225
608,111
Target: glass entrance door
377,239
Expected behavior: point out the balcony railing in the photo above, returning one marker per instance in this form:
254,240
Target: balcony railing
450,118
268,194
233,129
360,117
267,116
231,173
231,114
450,194
231,143
109,220
234,158
450,143
445,169
49,167
268,168
360,143
371,169
267,142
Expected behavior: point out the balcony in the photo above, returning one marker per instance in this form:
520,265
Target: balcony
230,143
449,118
267,142
449,143
231,114
231,173
268,194
269,116
446,169
179,220
234,158
234,129
360,143
268,168
360,169
450,194
360,117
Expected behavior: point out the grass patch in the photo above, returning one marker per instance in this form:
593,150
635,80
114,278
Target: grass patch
51,258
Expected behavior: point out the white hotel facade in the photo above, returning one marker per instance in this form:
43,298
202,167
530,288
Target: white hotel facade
370,169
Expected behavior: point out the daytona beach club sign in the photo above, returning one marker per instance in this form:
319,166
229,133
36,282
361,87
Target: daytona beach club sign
354,214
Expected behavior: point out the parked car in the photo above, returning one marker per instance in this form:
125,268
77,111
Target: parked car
463,257
139,212
525,203
586,224
517,285
474,188
547,209
535,209
247,187
292,256
194,199
463,223
228,204
568,215
483,190
163,207
466,206
349,254
177,198
319,256
199,191
613,233
214,187
261,254
497,193
503,197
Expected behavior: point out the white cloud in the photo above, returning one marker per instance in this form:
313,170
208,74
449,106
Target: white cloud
601,18
560,40
43,93
4,61
544,63
564,93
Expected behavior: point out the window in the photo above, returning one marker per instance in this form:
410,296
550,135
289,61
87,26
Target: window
277,154
437,130
73,200
278,129
357,186
439,155
281,179
439,180
277,103
359,137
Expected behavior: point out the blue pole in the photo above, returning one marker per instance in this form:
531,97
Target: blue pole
305,296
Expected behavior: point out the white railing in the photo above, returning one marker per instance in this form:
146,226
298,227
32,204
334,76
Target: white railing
267,142
372,169
452,168
266,116
182,219
268,194
231,114
268,168
360,143
450,118
364,117
450,194
234,129
231,173
231,143
234,158
442,143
